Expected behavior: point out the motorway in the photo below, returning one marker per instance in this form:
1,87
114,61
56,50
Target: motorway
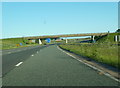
48,66
11,57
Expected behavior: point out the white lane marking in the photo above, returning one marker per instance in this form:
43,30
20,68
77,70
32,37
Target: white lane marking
32,55
37,51
19,64
107,74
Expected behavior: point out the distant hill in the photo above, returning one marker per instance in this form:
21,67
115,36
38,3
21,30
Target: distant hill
11,42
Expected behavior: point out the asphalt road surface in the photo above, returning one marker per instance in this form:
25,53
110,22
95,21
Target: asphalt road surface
13,56
49,66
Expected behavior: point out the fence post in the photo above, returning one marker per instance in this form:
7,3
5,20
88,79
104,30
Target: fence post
119,38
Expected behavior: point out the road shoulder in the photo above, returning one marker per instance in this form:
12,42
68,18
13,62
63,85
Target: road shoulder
102,68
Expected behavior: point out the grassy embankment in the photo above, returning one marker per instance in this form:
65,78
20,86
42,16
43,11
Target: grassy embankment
12,43
103,50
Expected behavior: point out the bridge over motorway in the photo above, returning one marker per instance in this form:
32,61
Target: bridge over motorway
65,35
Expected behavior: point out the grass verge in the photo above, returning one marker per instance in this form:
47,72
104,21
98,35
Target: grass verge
104,53
11,43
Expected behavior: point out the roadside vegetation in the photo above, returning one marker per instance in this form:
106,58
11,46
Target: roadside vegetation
14,43
105,50
110,38
11,43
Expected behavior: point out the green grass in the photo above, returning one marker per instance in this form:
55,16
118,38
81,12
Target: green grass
11,43
103,50
108,38
107,54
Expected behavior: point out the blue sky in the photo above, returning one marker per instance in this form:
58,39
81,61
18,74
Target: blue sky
22,19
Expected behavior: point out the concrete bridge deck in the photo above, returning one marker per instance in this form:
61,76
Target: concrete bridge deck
66,35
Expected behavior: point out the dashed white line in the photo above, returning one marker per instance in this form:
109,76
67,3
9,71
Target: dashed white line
19,64
91,66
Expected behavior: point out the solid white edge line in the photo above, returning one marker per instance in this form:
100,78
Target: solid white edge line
19,64
107,74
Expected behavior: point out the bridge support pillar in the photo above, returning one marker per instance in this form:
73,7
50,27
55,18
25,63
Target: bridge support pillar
93,38
40,42
66,41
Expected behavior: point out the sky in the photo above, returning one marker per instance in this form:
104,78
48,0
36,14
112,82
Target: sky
22,19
